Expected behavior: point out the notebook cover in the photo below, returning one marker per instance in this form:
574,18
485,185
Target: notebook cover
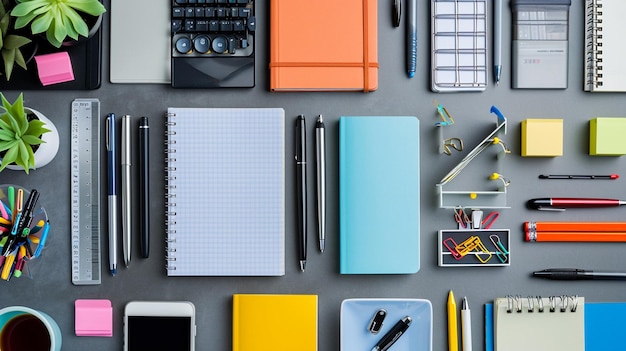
538,331
323,45
140,44
274,322
379,195
226,192
604,325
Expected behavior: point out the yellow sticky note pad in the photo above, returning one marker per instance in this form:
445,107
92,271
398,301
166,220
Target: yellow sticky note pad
275,322
606,136
542,137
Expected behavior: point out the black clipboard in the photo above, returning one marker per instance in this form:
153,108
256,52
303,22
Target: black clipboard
86,57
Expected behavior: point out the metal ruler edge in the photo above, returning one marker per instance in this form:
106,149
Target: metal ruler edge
85,192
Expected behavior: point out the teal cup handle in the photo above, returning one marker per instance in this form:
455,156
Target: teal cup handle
51,325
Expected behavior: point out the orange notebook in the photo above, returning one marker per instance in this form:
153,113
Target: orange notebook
323,45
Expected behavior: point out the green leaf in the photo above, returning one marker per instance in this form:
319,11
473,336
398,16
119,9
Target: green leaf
6,135
10,156
19,59
23,21
8,56
74,21
92,7
41,23
4,125
23,157
32,140
26,7
4,145
4,22
15,41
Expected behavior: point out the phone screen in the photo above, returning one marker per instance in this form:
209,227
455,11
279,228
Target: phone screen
159,333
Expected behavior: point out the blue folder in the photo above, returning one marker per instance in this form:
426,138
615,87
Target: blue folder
379,195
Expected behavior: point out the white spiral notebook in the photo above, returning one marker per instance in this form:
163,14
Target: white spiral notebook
539,323
605,68
225,191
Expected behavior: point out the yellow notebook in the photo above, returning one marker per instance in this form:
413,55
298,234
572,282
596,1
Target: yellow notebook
274,322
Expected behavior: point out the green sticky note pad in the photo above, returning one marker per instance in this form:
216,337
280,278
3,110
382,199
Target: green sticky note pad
542,137
606,136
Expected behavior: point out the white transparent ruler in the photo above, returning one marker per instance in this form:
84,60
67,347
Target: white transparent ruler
85,192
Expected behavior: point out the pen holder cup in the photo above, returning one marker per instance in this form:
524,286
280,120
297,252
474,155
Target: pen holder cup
19,249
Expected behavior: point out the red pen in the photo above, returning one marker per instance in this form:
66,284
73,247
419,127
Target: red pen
561,203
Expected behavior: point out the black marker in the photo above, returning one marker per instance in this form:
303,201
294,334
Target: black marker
144,188
393,335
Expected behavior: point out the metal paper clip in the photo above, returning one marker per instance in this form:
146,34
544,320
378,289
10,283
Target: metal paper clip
450,244
452,143
483,255
502,254
461,218
446,118
468,245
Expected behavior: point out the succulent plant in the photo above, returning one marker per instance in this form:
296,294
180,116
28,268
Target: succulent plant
59,19
18,134
10,44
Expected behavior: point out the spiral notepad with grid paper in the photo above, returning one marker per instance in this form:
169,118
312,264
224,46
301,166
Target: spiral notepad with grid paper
225,191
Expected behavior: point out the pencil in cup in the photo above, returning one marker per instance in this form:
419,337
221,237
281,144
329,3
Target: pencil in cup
575,231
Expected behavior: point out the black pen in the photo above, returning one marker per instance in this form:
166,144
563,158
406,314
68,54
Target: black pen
578,274
393,335
144,188
301,191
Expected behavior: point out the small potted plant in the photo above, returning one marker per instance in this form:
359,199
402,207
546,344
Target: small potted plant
10,43
59,19
28,139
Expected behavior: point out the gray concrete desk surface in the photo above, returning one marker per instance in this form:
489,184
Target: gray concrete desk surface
51,289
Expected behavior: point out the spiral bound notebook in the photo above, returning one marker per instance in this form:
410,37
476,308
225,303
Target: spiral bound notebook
225,180
539,323
605,53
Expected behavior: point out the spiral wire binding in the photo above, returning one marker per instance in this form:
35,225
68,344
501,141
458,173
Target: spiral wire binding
594,43
170,194
562,303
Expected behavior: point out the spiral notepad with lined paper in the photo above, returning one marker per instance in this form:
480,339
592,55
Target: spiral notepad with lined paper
539,323
605,52
225,191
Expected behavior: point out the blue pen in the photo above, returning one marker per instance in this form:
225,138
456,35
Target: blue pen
411,35
111,146
42,240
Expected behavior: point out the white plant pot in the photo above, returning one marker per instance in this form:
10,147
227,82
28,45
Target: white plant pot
49,148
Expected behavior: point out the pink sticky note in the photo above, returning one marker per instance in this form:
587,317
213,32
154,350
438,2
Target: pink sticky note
54,68
93,318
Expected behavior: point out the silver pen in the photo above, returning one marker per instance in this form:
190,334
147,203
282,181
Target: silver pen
320,152
497,39
126,191
111,144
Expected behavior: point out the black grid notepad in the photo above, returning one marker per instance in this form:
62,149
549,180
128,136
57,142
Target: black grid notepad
226,192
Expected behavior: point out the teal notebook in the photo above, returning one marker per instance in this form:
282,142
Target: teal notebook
604,326
379,195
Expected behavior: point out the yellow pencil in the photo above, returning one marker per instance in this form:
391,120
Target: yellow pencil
453,340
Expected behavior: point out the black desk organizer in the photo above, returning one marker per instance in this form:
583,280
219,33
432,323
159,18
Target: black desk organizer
86,57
